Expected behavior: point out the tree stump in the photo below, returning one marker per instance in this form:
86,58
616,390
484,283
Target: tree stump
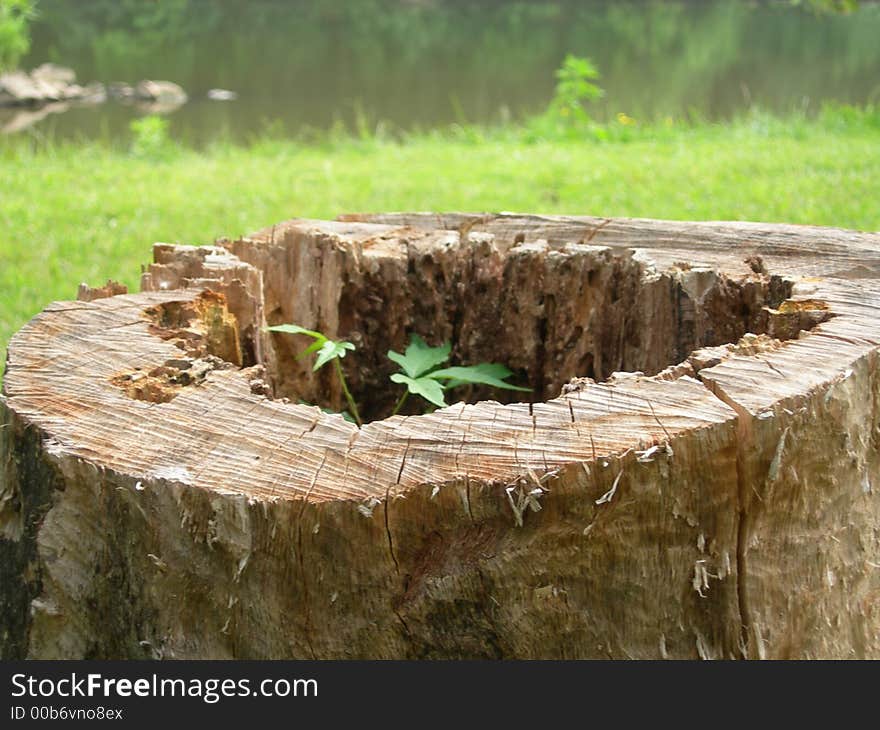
696,474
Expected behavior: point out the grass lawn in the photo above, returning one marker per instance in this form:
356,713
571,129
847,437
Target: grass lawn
72,213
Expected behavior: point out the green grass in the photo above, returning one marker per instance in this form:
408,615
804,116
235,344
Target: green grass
88,212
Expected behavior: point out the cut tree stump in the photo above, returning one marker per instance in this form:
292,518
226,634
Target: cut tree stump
696,474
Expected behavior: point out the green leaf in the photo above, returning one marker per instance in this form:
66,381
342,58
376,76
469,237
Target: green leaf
453,383
419,358
314,347
331,350
326,348
295,329
425,387
484,374
348,417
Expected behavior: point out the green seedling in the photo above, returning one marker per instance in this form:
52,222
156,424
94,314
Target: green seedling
328,351
422,375
420,368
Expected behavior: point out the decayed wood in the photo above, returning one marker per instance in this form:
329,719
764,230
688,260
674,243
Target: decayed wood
163,494
112,288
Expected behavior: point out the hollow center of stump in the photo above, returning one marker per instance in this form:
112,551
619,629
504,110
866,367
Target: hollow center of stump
548,316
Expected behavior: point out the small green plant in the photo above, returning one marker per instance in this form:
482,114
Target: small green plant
328,351
420,368
566,115
150,138
422,375
574,88
15,40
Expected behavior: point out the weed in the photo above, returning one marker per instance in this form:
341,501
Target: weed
566,114
328,351
574,88
420,369
422,375
150,138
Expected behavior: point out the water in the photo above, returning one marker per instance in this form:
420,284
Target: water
424,63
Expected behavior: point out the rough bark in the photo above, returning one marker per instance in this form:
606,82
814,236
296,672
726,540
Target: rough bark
163,494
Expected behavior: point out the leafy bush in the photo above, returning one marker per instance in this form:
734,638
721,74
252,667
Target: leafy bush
150,138
567,115
574,88
15,40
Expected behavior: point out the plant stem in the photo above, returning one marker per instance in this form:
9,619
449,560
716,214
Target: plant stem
399,404
348,397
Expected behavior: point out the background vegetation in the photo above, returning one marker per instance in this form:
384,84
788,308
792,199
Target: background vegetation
15,41
420,64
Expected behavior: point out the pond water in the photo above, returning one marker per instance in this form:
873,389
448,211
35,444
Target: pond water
424,63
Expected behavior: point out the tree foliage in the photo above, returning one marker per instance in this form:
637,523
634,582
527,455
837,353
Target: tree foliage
405,61
15,40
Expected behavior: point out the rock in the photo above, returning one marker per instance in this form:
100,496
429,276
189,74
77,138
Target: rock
45,84
17,87
51,83
51,73
222,95
94,93
120,90
163,92
150,97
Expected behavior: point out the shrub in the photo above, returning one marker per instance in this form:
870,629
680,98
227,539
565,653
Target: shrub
15,39
150,138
